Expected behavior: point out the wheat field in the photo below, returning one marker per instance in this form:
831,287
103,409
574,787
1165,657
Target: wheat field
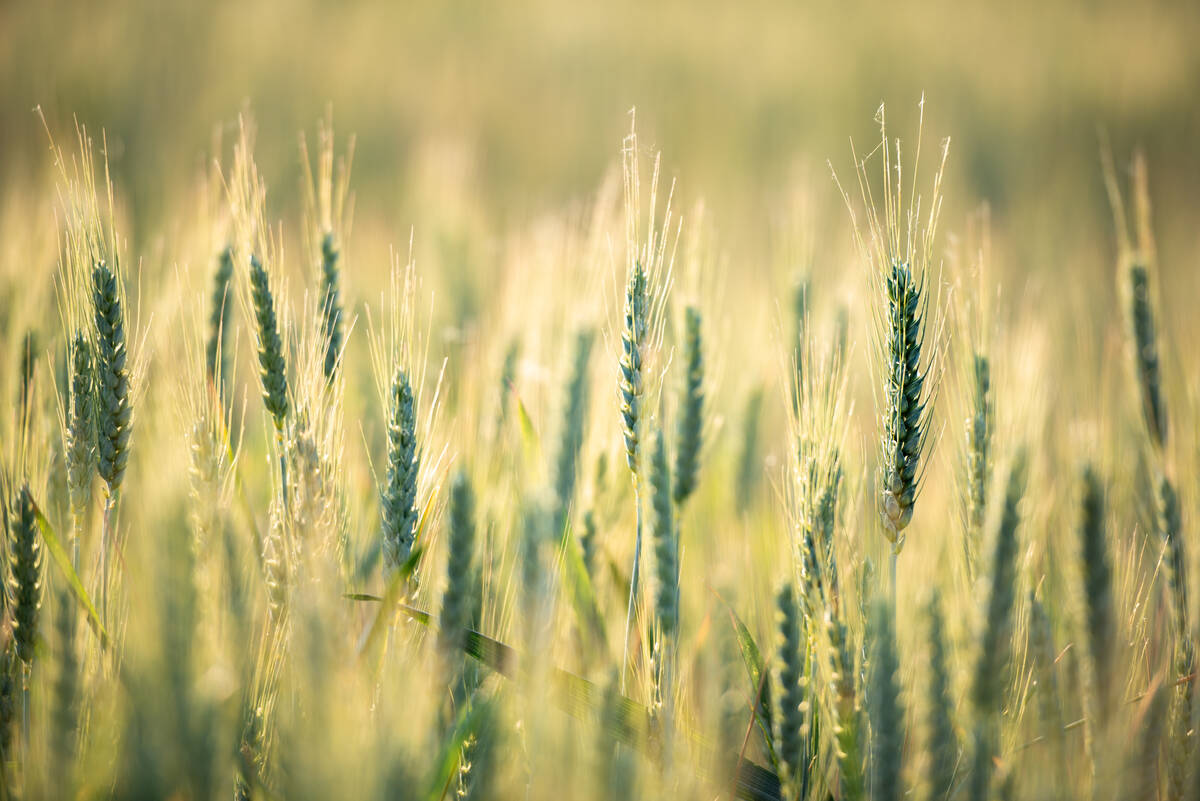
567,475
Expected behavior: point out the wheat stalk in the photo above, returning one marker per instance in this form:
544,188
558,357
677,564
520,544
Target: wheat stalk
941,739
884,708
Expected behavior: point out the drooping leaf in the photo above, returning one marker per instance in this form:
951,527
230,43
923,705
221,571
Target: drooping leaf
760,686
63,560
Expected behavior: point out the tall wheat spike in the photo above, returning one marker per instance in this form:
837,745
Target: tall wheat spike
328,206
689,434
81,437
631,388
1097,591
847,714
1145,341
995,641
650,256
979,446
898,244
331,303
25,584
272,363
28,367
457,598
114,410
220,315
666,546
996,636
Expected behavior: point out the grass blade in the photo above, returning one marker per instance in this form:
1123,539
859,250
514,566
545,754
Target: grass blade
63,560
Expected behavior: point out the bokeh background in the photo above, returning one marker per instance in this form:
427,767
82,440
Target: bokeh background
525,102
489,135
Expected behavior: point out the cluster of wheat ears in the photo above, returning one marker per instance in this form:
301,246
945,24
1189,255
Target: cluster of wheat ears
526,555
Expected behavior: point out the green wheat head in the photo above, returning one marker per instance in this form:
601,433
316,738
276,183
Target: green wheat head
790,693
978,457
272,366
398,501
996,637
114,413
631,384
1145,341
666,545
458,601
1100,621
508,378
570,444
81,425
847,715
25,582
905,421
331,302
1170,529
216,359
1044,654
689,431
277,566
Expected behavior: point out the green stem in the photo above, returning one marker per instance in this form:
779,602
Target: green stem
77,522
110,505
25,670
282,466
633,580
895,554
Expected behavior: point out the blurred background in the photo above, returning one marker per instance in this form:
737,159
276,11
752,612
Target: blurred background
522,105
